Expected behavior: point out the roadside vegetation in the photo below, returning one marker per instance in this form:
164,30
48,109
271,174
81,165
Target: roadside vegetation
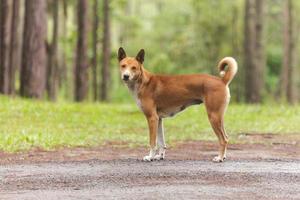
27,124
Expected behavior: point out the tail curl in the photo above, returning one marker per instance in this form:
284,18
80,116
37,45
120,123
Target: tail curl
227,74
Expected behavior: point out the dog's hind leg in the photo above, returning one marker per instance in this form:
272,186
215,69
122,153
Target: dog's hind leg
160,141
217,125
215,111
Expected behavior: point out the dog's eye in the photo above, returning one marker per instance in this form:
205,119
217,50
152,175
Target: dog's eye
123,66
133,68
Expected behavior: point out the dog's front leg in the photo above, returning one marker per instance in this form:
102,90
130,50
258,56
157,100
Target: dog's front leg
153,124
160,141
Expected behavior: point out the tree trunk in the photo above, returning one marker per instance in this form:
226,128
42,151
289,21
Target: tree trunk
14,57
254,50
81,66
33,71
64,80
95,52
52,70
5,28
287,82
260,61
106,52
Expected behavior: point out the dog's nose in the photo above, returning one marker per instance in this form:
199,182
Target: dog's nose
125,77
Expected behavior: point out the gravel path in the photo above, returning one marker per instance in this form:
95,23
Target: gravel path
168,179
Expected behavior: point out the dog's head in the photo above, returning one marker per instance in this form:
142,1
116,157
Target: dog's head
130,67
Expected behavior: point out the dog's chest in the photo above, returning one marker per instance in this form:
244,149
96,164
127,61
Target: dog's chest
138,101
134,91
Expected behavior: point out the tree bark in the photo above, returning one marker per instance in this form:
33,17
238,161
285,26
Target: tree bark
106,51
64,80
52,70
33,71
254,50
5,28
81,66
260,48
95,50
287,79
14,57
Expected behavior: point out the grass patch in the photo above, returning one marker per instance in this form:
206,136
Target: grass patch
25,124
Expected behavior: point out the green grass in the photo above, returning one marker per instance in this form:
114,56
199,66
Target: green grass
25,124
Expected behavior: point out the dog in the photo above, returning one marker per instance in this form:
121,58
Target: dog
161,96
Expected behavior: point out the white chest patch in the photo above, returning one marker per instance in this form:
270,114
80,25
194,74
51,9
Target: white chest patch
138,101
134,91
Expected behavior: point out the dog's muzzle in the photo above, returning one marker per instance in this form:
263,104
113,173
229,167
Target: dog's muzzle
125,77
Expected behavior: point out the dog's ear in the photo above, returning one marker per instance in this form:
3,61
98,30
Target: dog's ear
121,54
140,56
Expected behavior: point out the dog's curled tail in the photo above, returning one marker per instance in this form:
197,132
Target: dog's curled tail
227,74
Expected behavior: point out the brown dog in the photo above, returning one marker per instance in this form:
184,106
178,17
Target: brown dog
160,96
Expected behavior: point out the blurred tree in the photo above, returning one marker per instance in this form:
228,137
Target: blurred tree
52,68
237,87
179,37
254,49
65,84
287,78
14,56
33,71
260,59
106,51
210,45
5,28
81,65
125,8
95,49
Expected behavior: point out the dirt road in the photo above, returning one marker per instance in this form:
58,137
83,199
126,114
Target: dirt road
252,172
133,179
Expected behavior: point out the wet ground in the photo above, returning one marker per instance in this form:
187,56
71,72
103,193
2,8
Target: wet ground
252,171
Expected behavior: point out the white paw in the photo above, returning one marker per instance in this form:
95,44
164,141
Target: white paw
148,158
218,159
159,157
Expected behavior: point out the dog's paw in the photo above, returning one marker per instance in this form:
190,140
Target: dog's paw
219,159
161,154
159,157
148,158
